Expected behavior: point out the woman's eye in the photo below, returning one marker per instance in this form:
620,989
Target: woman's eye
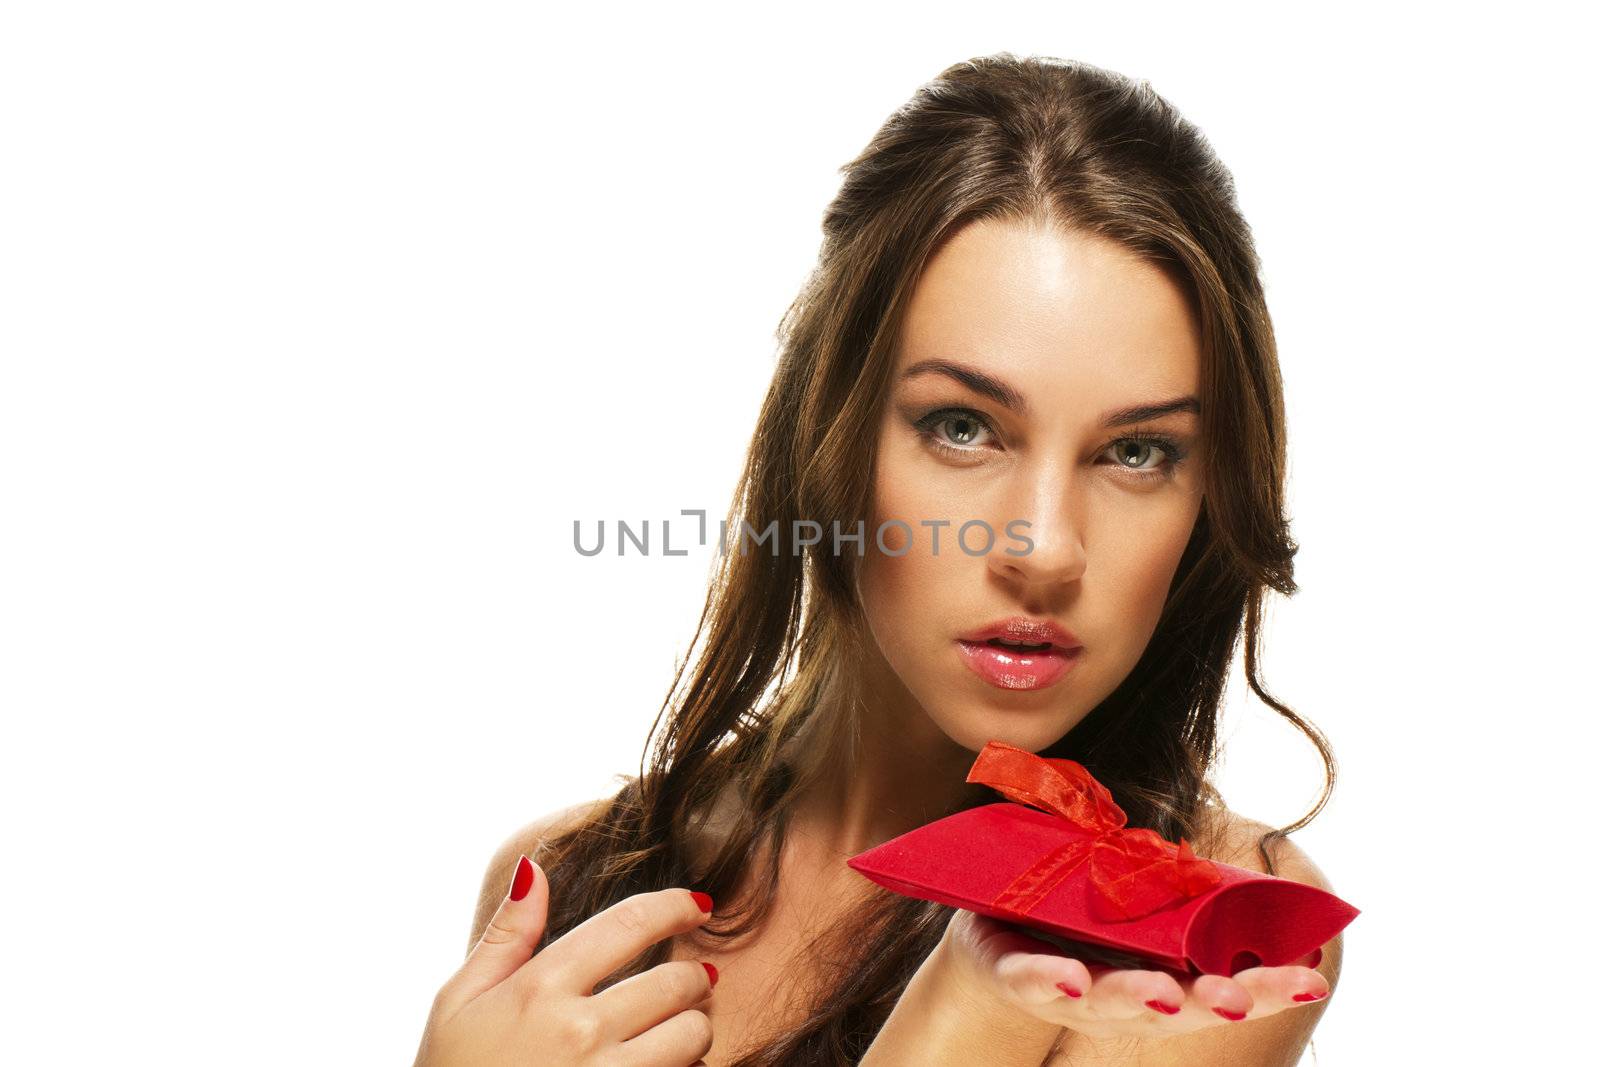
963,430
1140,455
956,429
1133,454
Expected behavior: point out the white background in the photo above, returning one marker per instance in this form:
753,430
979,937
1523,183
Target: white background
323,321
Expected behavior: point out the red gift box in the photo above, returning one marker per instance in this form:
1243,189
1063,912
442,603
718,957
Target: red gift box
1062,860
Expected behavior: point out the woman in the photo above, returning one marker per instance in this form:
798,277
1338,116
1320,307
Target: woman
1036,306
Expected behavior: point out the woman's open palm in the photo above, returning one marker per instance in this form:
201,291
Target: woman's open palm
508,1005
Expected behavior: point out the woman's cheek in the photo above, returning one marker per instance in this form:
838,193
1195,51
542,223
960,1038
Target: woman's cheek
894,565
904,583
1144,563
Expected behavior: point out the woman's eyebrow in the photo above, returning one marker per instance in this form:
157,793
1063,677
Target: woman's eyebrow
1141,412
973,379
1007,396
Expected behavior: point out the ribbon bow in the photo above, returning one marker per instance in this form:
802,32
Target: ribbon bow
1132,872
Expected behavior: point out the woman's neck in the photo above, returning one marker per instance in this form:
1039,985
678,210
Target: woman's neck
890,771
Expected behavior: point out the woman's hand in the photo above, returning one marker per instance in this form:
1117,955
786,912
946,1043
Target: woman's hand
994,960
507,1005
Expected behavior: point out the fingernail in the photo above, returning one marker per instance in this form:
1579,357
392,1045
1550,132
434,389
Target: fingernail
522,881
1165,1009
1068,990
1303,997
711,972
702,899
1226,1014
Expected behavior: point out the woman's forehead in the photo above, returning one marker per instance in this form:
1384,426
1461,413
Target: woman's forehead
1040,304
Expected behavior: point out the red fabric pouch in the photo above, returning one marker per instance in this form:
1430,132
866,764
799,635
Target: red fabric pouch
1062,860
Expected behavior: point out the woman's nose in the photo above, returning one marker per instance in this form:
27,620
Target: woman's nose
1050,542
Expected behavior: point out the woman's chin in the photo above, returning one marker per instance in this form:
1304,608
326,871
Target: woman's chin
972,726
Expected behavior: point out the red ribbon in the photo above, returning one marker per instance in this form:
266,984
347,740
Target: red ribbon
1132,872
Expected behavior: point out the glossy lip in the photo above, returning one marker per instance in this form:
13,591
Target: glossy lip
1027,631
1005,669
1009,669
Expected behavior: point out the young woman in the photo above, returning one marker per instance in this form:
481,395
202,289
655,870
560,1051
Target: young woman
1036,306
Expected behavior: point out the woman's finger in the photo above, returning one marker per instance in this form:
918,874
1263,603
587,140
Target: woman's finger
643,1000
1035,971
508,940
1132,994
1274,988
1221,996
596,947
684,1038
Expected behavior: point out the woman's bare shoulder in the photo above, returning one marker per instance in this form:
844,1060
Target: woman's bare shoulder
525,841
1234,839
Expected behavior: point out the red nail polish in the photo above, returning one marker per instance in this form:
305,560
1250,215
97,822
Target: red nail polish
1226,1014
1165,1009
711,972
1303,997
1068,990
702,899
523,880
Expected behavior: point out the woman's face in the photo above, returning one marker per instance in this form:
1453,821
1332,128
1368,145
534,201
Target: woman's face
1075,332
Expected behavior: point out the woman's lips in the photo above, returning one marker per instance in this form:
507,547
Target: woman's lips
1009,669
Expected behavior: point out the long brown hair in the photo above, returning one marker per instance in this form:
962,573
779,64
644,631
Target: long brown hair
992,137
